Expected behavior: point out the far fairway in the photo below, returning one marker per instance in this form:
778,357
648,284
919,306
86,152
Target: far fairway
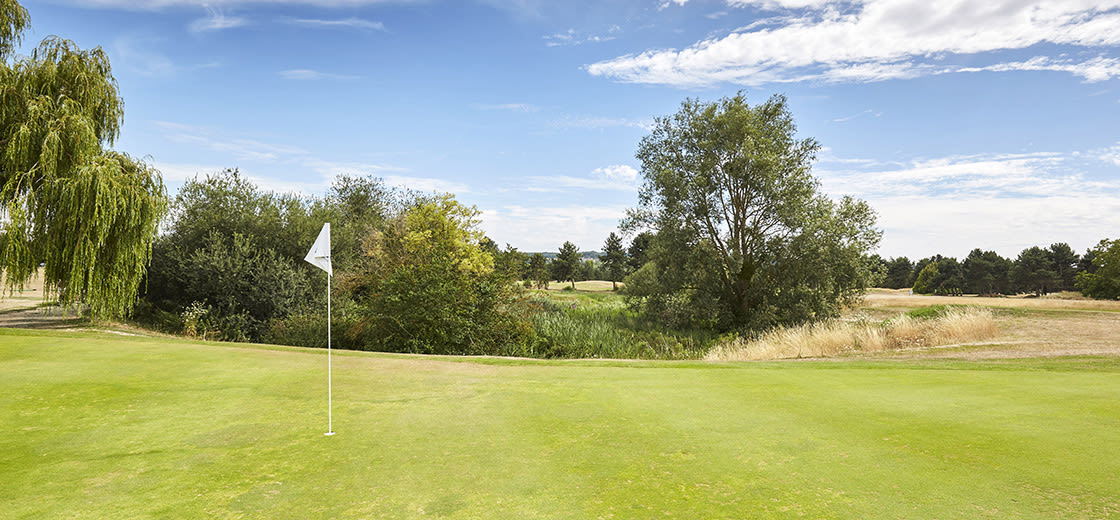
96,426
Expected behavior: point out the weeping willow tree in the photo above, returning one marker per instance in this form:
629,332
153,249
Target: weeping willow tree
87,214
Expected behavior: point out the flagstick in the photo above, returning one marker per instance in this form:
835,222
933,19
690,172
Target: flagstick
330,428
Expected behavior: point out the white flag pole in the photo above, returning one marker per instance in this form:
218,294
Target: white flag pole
330,428
320,256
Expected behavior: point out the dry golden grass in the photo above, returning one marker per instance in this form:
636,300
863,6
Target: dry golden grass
901,298
832,338
587,285
29,297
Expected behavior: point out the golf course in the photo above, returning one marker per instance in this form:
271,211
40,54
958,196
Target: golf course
100,425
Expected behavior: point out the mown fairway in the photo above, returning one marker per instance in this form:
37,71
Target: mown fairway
96,426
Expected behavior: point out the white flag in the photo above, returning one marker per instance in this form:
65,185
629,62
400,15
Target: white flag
320,254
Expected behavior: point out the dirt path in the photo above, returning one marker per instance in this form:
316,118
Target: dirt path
39,318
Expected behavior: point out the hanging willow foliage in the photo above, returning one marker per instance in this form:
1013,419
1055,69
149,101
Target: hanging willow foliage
87,213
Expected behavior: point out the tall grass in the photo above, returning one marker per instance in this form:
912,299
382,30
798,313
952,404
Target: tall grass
921,329
600,325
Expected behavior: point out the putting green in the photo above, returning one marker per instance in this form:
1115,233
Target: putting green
93,426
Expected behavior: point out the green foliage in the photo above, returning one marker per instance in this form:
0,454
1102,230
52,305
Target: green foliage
1064,262
237,252
987,273
538,271
744,237
1034,272
900,273
614,259
86,212
580,326
567,264
925,283
929,312
425,285
1104,281
637,254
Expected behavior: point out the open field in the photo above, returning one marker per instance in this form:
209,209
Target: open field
111,427
30,297
1028,327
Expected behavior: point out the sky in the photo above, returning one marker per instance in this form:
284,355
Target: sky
965,124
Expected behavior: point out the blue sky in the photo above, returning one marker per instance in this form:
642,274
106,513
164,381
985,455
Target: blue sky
965,124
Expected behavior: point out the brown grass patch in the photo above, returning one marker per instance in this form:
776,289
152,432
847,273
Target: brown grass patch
900,298
832,338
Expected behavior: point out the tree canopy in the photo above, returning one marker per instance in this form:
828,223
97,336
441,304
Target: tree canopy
1104,280
743,235
87,213
614,259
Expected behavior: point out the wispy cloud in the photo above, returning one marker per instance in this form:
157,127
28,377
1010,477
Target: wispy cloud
312,75
216,21
351,23
238,148
426,184
618,177
877,40
574,37
142,56
511,107
596,123
853,116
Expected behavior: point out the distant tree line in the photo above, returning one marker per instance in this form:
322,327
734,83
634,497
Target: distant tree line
1036,270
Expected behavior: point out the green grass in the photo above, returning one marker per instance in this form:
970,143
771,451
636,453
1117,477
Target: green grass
99,426
585,324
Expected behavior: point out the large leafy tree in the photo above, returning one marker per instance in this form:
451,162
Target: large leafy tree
986,272
743,233
1065,262
89,214
1104,280
235,254
1033,271
900,273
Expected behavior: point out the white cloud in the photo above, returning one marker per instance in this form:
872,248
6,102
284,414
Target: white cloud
543,228
352,23
312,75
180,172
1111,154
217,21
875,40
618,177
1005,202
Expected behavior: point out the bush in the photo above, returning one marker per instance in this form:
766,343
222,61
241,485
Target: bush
427,286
